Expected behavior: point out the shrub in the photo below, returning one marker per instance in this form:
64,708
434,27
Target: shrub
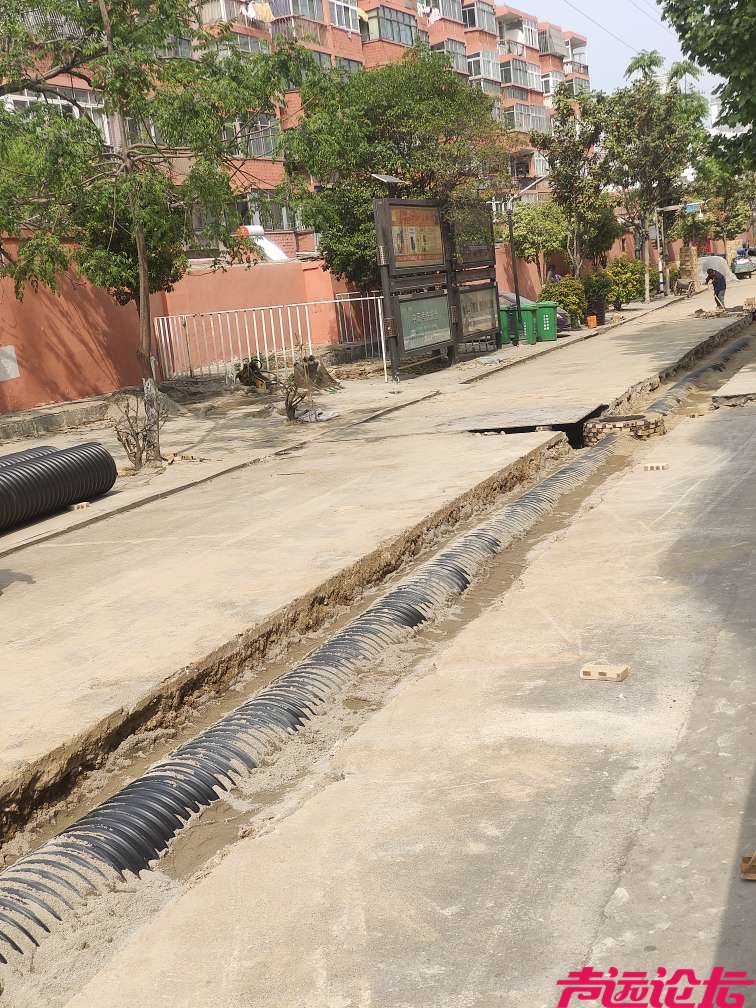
653,280
626,276
569,293
598,285
674,276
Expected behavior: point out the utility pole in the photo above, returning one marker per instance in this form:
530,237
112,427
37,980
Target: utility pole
661,245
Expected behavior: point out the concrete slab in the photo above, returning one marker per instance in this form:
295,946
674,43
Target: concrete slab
106,620
740,388
500,823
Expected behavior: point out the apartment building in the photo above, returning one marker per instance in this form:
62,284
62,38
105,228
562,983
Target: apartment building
509,54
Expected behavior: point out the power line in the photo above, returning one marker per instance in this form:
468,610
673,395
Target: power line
652,17
602,27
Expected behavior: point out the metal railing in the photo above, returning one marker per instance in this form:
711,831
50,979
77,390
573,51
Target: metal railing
301,28
216,344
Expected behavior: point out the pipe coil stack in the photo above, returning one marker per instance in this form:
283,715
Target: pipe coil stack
39,481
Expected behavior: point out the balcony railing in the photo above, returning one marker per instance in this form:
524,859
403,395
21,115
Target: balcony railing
214,11
575,67
302,29
509,48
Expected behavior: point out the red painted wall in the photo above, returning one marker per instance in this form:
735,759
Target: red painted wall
77,344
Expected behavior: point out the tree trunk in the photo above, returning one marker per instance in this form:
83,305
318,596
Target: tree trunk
151,401
647,264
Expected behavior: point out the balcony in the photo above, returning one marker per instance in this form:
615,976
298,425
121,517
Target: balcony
301,29
574,67
449,9
232,11
509,48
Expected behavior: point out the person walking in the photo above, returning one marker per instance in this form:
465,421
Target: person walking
719,283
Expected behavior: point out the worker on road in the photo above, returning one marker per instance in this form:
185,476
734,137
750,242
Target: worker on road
719,284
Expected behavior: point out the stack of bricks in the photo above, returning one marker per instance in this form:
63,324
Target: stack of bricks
641,427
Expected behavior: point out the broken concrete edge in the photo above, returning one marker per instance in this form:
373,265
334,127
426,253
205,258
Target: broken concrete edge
52,778
158,494
636,392
50,421
734,400
556,345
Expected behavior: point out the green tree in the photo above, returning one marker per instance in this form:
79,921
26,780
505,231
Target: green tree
540,229
121,211
720,35
653,132
416,120
574,161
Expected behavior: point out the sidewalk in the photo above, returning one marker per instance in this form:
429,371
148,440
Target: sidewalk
111,624
231,436
497,822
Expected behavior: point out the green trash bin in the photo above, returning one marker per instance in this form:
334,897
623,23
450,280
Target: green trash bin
504,337
546,322
528,315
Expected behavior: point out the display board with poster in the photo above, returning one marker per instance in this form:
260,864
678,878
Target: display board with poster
424,322
473,236
479,311
417,240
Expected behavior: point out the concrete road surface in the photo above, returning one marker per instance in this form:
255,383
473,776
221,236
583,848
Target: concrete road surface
499,822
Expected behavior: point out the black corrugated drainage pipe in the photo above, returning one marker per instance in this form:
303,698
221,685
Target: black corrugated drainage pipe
134,828
50,482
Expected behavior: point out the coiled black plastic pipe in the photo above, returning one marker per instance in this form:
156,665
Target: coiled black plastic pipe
45,483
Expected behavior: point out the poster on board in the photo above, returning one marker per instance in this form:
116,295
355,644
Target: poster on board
416,237
479,310
425,322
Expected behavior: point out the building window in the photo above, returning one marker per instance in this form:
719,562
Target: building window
541,164
551,41
323,59
528,118
550,82
344,15
578,86
450,9
263,210
519,72
310,9
177,48
349,66
258,139
516,93
392,26
250,44
456,52
82,104
530,31
484,64
480,16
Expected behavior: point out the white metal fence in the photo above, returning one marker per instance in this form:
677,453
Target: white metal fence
207,344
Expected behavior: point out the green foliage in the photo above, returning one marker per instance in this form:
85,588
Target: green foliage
68,197
627,281
651,135
569,293
540,229
575,176
416,120
653,280
598,285
726,195
720,35
601,229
